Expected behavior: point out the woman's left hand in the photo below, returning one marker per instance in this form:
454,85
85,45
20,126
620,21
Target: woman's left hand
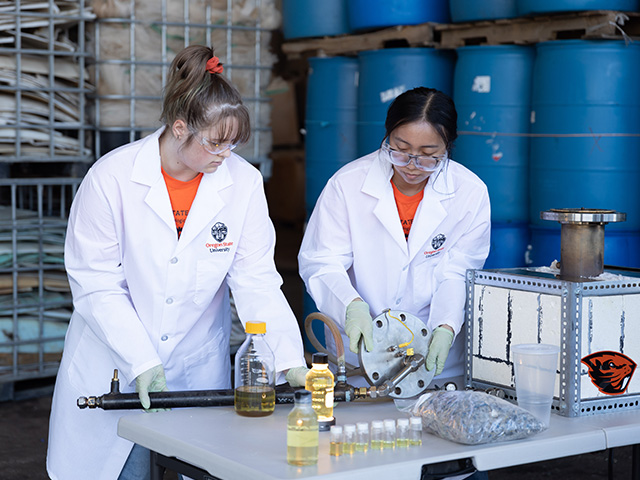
439,346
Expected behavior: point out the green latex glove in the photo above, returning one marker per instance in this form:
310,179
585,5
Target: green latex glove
439,346
358,324
296,376
153,380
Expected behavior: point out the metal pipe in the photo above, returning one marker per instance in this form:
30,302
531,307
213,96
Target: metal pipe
114,400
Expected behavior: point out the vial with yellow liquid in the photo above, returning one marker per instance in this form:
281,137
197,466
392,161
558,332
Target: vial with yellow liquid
335,447
302,431
319,381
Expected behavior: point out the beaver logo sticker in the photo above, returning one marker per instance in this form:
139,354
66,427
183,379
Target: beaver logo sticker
436,244
610,371
219,233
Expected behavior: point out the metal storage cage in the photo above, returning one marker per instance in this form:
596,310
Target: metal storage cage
35,300
44,132
43,86
78,78
134,42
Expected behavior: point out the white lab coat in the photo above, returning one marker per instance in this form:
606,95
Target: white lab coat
142,297
354,246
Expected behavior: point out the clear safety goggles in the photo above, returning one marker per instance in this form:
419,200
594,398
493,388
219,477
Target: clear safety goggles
213,148
426,163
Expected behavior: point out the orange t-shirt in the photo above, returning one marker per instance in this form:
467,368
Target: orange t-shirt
407,206
181,195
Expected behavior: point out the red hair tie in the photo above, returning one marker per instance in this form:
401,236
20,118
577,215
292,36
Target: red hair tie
214,65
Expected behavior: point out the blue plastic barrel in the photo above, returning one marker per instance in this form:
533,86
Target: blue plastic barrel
313,18
621,247
526,7
385,74
330,121
371,14
586,127
509,244
492,92
474,10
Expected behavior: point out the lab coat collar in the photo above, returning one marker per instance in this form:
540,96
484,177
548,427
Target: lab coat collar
429,215
206,205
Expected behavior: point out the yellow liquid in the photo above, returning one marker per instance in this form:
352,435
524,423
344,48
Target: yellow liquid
348,448
335,449
302,445
362,447
415,443
388,444
320,384
402,442
251,401
376,444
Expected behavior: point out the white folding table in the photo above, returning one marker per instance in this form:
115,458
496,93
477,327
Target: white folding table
215,442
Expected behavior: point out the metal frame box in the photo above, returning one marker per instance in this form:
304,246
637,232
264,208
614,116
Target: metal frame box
596,324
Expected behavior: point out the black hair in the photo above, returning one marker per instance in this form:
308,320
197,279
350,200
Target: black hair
428,105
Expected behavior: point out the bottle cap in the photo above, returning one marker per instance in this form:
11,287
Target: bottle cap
416,421
376,425
389,423
349,428
403,422
303,396
362,426
255,327
321,358
336,429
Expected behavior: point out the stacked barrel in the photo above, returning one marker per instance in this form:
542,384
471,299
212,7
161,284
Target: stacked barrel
550,125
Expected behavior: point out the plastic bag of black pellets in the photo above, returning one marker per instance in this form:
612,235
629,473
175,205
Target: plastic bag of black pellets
472,417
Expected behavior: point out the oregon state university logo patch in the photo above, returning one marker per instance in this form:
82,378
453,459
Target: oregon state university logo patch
219,233
610,371
436,245
438,240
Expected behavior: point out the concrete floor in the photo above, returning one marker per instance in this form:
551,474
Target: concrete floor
24,423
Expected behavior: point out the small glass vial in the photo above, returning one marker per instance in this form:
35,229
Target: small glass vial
349,445
362,437
302,431
319,381
415,431
335,447
402,433
376,434
389,434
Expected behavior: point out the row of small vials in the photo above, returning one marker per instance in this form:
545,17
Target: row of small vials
385,434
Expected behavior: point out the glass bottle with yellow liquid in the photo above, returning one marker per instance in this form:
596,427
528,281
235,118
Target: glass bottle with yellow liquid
254,388
319,381
302,431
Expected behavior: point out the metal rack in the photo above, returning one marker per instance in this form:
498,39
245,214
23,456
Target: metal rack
35,300
43,83
78,78
134,43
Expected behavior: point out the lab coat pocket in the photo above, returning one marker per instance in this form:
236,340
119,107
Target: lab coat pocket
209,366
209,276
423,280
91,366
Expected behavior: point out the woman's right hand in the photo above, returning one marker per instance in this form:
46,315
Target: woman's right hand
358,324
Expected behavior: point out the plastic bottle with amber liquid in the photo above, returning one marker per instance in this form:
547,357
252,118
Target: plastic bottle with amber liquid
319,381
254,388
302,431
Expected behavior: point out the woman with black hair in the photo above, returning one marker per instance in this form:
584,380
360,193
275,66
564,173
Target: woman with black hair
398,228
